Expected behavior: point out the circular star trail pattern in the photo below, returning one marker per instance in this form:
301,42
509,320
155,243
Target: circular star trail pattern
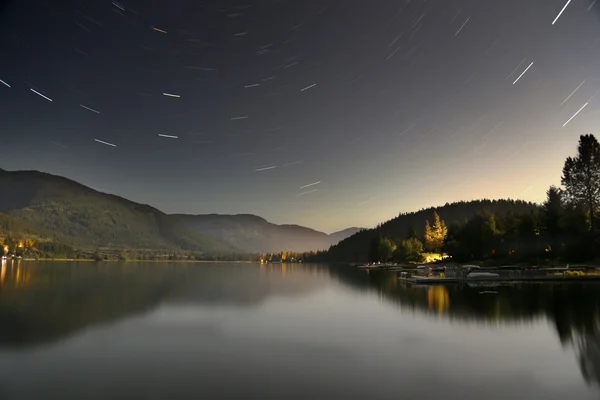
324,113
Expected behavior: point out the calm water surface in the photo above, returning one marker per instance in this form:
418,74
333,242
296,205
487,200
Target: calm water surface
190,331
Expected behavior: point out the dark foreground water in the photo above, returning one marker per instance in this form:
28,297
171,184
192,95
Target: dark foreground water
198,331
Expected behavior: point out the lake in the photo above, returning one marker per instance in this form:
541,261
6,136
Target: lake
192,331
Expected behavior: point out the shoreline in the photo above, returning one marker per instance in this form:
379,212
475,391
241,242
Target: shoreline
129,261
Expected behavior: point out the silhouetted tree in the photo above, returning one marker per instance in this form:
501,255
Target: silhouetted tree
553,212
412,233
374,249
578,239
581,176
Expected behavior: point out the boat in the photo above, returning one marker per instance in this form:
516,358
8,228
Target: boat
368,266
510,267
478,285
438,268
482,275
377,266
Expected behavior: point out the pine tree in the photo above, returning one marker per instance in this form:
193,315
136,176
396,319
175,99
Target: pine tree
440,231
553,213
581,176
435,234
428,237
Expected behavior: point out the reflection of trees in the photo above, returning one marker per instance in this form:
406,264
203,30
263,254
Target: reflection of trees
573,308
48,301
588,353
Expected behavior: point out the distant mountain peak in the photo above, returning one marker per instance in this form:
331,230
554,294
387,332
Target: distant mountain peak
256,234
344,231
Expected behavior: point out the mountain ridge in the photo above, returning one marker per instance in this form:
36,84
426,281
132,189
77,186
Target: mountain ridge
88,217
265,236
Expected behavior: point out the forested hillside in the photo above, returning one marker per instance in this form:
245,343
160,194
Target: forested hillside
48,205
356,247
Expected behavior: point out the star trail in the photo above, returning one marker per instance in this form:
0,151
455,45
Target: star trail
390,105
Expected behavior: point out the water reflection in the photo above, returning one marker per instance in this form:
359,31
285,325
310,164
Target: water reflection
573,308
44,301
14,273
588,350
41,302
333,329
438,299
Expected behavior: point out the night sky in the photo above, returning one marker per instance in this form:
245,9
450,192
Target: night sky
327,114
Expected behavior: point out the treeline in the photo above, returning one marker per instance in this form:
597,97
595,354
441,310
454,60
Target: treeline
21,244
170,255
564,228
357,248
29,246
409,230
26,247
291,256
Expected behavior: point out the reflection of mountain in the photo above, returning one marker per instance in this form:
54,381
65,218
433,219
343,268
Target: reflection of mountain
45,302
59,299
246,287
574,308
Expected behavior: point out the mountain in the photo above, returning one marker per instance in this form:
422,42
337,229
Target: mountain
356,247
53,206
253,233
50,206
337,237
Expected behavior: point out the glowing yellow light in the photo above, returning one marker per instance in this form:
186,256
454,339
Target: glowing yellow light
438,298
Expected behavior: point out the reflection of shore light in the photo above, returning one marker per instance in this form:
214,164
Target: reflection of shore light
438,299
2,272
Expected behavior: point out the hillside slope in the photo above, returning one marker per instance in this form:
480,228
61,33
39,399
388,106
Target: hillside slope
356,247
87,218
253,233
